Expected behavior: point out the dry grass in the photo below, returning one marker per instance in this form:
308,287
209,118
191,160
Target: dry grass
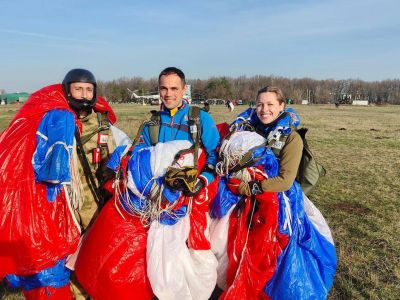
360,148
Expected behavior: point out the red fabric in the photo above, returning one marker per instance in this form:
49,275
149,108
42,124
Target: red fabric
34,233
197,239
249,270
103,106
223,129
49,293
198,221
112,260
233,185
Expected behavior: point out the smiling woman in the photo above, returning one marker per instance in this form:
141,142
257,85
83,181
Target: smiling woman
270,104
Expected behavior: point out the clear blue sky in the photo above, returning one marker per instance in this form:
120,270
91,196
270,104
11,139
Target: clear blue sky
42,39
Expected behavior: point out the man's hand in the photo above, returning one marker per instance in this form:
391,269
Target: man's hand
197,188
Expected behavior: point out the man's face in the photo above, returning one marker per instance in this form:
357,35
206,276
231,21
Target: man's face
172,90
82,90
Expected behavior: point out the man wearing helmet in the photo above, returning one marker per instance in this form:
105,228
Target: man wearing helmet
51,158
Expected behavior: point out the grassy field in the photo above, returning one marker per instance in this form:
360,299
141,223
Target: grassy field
360,148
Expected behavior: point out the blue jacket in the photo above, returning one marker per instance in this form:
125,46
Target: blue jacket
176,128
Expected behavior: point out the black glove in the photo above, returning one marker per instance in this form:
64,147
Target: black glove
104,174
200,184
250,188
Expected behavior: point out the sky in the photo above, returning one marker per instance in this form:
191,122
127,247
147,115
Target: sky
41,40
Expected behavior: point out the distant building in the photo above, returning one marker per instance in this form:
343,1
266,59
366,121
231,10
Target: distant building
13,98
360,102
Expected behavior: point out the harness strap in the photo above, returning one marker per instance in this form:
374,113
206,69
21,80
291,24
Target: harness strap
154,126
103,126
195,131
87,171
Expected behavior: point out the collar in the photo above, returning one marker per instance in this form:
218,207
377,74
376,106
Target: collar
172,112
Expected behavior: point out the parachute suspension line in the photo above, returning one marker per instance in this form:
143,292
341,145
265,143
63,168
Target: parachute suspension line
76,191
245,243
230,158
288,215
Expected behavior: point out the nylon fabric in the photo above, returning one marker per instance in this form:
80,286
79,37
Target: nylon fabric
302,258
113,266
37,228
112,259
176,271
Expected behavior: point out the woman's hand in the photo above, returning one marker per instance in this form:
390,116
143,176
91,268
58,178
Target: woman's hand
239,187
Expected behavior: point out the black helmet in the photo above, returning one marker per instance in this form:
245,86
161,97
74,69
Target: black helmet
79,75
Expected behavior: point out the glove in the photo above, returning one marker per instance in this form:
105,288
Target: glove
200,184
104,174
250,188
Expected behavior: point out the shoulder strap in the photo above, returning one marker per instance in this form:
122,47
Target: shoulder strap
276,143
87,171
154,126
195,131
104,125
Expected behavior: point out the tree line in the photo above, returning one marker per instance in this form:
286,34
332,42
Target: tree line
245,88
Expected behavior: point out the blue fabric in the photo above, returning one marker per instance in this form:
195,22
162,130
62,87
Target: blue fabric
139,166
115,159
51,160
176,128
223,201
172,217
170,195
307,265
143,178
56,276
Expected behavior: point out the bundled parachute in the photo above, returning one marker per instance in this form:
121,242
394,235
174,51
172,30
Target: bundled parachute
152,239
279,240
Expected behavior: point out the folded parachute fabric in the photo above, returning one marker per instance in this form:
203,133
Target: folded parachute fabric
150,239
298,258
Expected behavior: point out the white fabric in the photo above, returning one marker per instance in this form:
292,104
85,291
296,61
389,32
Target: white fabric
241,142
174,271
120,137
163,154
161,157
219,243
235,147
317,219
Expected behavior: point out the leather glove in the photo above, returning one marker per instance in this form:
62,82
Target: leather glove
104,174
250,188
200,184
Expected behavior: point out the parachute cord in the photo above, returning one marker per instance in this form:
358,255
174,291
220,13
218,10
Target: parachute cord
76,192
230,158
245,244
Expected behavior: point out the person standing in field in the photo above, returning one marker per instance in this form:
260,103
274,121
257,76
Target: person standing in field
52,156
153,239
279,245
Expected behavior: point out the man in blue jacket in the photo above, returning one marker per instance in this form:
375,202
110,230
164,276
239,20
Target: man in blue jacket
174,122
